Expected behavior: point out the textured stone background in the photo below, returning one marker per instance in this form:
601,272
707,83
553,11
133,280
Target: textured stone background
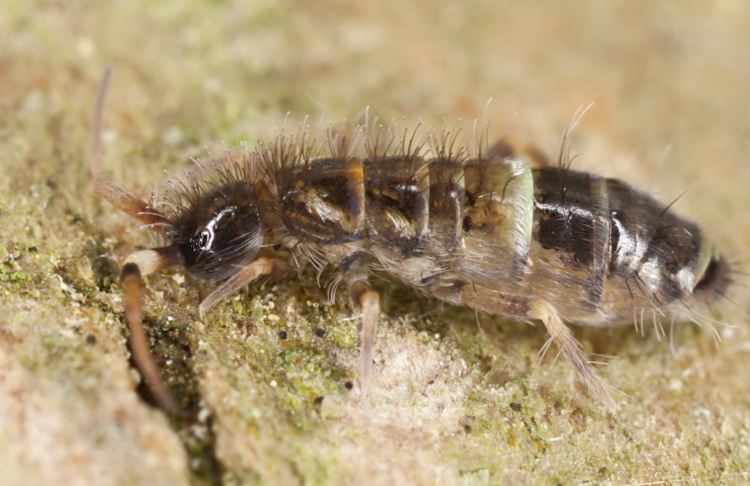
451,403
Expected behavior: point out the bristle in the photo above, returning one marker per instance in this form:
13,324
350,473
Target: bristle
395,141
178,195
564,160
449,145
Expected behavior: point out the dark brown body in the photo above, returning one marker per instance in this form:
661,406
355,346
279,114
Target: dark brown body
487,231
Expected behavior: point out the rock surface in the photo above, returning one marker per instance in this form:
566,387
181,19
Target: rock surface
456,399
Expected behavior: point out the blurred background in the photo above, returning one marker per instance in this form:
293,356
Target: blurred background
194,75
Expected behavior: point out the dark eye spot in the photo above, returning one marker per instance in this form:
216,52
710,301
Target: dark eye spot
203,240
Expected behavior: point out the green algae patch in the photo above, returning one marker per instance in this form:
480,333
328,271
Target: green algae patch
9,276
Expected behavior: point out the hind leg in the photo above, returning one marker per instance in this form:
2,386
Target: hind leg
540,309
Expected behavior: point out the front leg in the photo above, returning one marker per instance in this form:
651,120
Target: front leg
262,266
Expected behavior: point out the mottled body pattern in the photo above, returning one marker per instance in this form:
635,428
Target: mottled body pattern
468,224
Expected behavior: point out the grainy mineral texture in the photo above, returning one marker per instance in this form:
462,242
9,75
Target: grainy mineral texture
266,397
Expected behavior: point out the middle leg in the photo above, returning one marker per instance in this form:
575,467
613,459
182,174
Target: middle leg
354,270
